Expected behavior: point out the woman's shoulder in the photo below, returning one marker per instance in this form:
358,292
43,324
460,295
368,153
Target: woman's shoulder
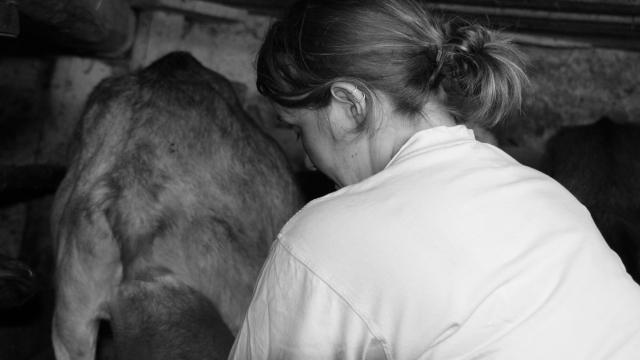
337,226
319,217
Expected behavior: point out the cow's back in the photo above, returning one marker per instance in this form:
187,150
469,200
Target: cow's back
171,180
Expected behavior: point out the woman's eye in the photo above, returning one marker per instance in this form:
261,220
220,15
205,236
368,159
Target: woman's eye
281,124
296,130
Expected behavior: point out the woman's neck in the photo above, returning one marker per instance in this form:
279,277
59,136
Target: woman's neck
395,130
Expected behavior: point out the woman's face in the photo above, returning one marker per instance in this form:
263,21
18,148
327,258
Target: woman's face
333,151
334,141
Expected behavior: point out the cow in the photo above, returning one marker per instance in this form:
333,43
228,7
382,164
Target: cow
165,216
599,164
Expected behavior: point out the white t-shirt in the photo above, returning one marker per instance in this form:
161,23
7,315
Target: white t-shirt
453,251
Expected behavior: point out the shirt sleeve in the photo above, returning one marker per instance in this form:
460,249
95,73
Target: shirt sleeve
296,315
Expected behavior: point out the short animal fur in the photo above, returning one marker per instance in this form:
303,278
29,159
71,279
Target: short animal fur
600,164
173,197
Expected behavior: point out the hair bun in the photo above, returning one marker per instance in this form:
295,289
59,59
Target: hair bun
467,38
482,73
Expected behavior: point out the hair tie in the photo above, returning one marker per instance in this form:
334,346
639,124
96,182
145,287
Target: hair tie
435,75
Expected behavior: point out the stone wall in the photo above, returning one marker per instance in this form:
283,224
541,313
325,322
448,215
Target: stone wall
570,87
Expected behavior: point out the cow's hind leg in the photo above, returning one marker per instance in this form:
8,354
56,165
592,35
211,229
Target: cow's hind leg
166,319
88,271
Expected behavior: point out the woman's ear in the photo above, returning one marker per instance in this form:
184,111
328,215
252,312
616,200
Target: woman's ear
352,99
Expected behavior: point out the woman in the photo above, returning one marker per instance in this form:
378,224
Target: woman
437,246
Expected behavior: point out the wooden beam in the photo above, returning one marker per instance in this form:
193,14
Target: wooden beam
609,24
194,8
624,7
562,23
97,27
9,19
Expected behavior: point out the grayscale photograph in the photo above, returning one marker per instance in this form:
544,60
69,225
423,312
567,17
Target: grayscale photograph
319,180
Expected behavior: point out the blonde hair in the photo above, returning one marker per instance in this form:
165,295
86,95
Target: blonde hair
394,46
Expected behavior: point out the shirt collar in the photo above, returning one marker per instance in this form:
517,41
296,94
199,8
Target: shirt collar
430,138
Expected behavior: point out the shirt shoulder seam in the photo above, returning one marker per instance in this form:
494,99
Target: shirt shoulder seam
307,265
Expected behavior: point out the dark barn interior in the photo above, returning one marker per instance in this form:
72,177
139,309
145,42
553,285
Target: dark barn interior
580,122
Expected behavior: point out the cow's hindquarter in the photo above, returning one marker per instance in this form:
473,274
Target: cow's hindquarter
87,274
167,216
161,317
